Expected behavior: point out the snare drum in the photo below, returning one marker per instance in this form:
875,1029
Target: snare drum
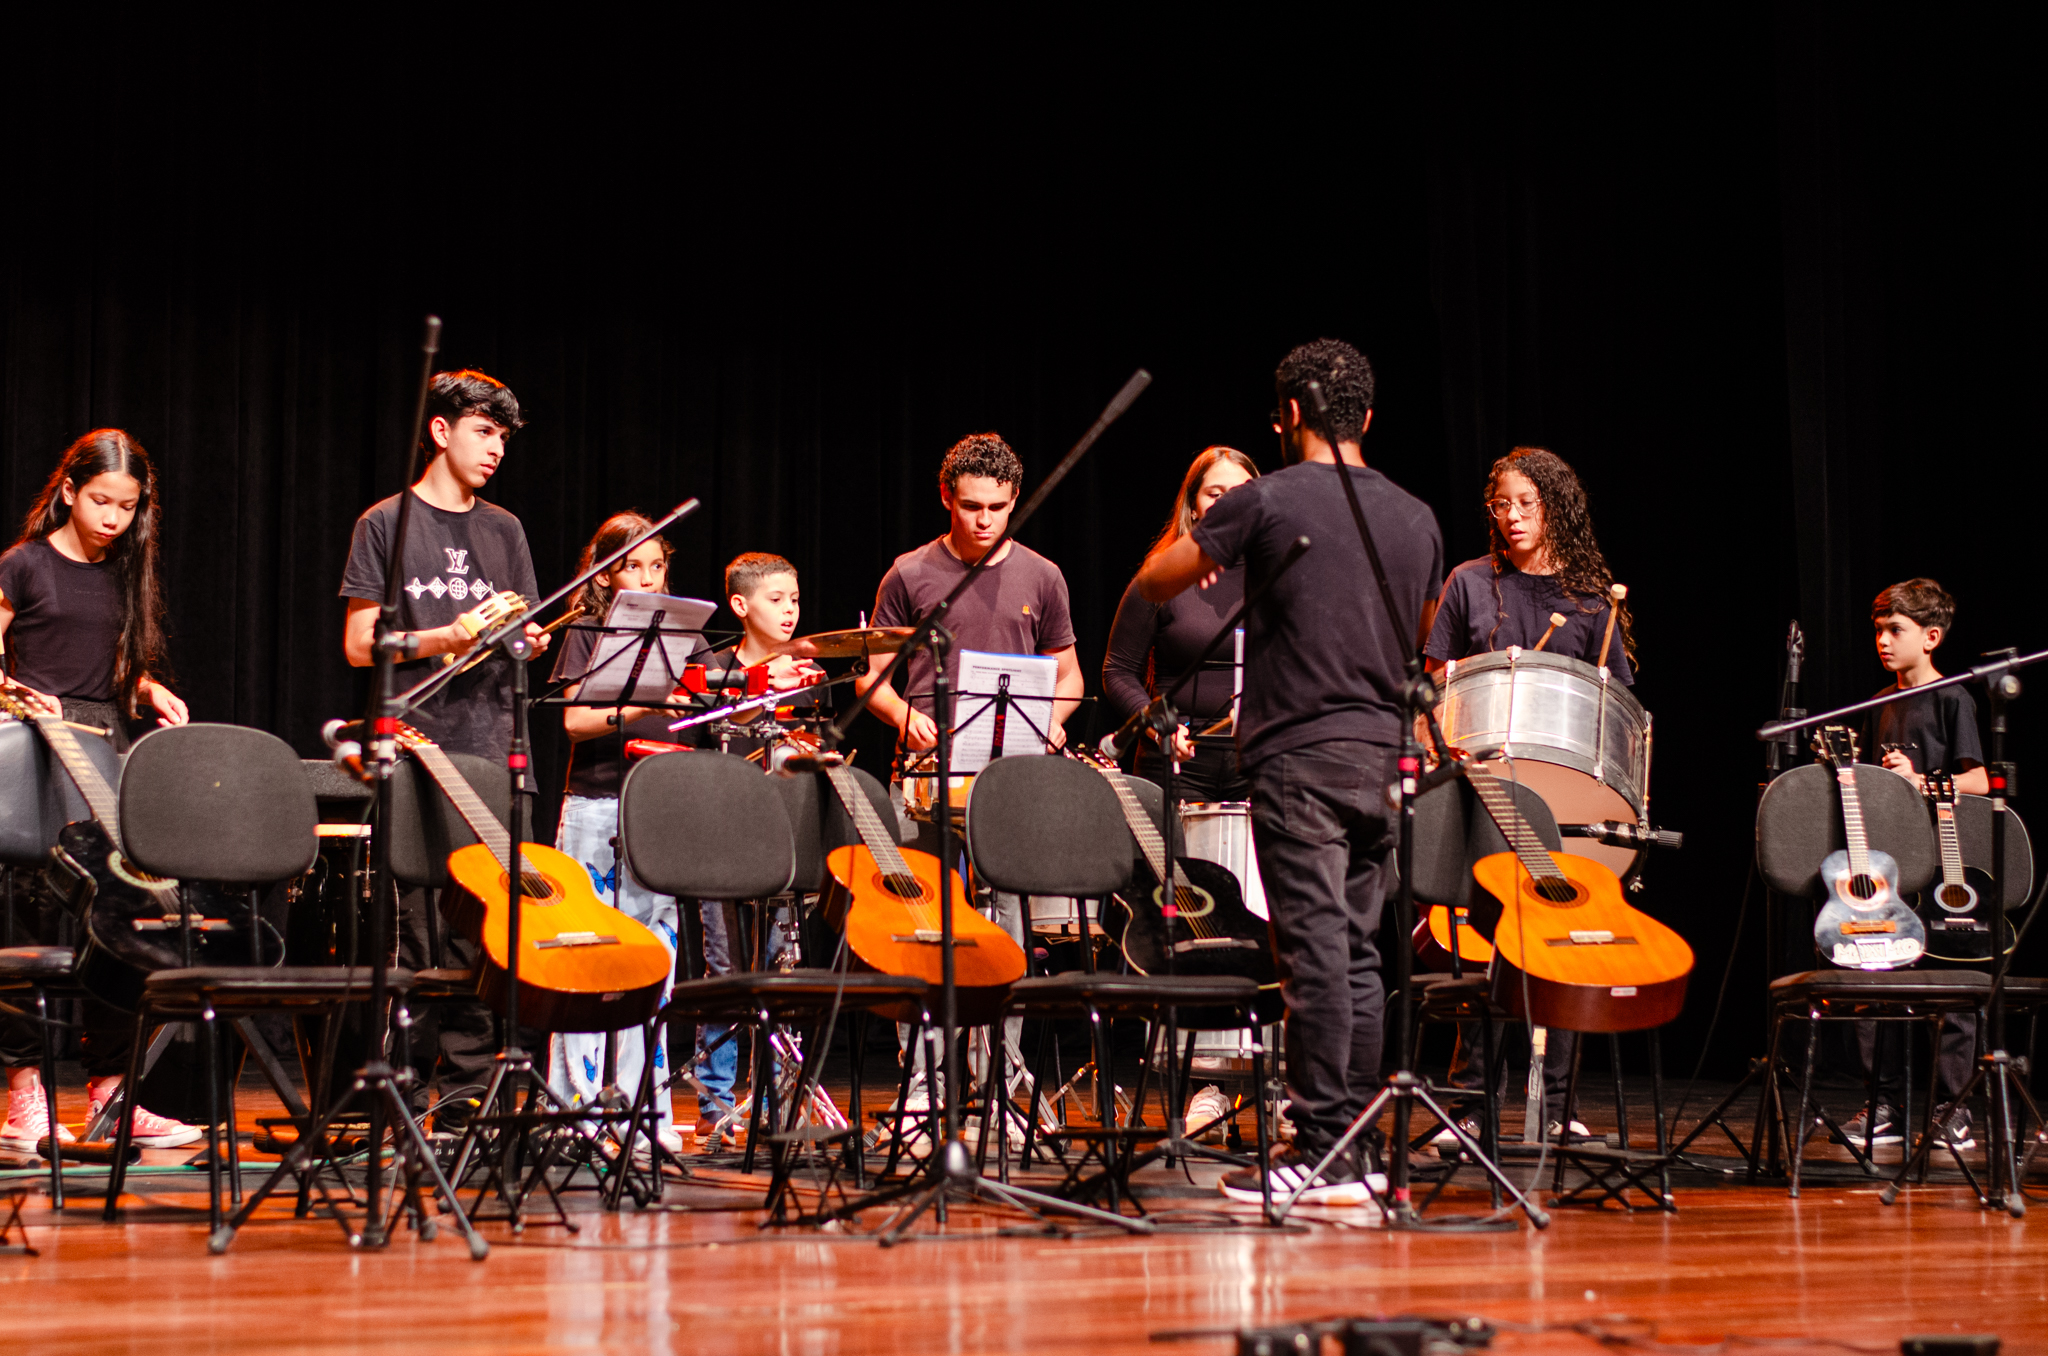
1060,916
1578,740
1221,832
782,746
920,788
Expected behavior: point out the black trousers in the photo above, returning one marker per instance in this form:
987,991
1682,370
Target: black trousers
1211,775
1322,827
456,1040
108,1032
1884,1057
1558,1050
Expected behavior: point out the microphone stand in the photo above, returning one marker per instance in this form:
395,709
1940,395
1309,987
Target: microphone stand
1996,1069
376,1084
1403,1089
951,1172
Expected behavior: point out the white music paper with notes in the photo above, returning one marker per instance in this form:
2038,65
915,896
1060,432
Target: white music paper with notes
1028,681
612,663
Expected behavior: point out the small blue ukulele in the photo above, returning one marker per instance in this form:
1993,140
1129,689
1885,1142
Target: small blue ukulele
1864,925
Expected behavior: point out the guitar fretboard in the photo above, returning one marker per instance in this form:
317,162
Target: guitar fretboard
1951,848
1852,820
1522,840
880,843
464,798
84,774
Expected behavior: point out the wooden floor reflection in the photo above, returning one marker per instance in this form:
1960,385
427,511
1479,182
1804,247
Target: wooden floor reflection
699,1275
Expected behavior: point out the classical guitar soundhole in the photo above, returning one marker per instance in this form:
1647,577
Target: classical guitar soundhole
533,886
1863,887
1558,890
903,887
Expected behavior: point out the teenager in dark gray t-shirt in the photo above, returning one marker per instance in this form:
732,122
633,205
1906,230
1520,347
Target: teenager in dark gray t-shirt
1017,605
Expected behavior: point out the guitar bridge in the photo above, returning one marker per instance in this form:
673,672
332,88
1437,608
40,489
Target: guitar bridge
1852,928
170,922
931,937
577,939
1215,944
1590,937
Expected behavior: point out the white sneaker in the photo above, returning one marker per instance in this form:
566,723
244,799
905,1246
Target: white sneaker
670,1137
151,1130
1579,1131
1207,1105
28,1123
1340,1184
1445,1138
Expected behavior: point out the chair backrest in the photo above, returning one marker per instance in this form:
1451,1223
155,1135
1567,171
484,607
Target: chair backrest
706,826
37,797
1047,825
425,826
820,823
217,802
1453,830
1799,822
1973,837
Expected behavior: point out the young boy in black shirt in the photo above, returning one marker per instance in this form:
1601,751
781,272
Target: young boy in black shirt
1930,732
1317,731
459,550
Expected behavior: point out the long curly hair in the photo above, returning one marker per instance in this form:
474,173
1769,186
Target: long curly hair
1183,520
140,651
1580,570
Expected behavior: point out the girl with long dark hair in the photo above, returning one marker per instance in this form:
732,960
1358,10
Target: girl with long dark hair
1151,643
81,614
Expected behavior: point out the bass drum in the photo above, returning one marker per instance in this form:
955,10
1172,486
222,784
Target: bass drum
1574,738
1221,832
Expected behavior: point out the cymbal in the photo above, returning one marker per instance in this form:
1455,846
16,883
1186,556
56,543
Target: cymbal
848,644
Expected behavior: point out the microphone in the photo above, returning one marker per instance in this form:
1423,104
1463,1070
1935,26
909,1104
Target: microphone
347,753
1616,834
1107,747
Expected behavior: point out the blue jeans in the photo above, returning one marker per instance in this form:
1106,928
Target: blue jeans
719,1070
576,1059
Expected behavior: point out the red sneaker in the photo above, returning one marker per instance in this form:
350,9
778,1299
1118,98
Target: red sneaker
28,1123
151,1130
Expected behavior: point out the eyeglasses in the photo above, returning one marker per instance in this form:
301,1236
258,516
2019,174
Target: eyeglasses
1507,508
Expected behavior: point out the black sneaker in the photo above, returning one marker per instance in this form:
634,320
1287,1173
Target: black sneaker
1955,1131
1339,1184
1864,1130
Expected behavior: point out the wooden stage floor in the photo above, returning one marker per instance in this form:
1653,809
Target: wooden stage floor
1833,1270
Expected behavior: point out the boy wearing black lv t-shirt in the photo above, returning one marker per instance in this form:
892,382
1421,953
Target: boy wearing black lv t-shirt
458,551
1935,731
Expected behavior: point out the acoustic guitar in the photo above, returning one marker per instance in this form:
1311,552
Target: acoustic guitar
1205,929
1864,925
888,898
1587,960
135,923
583,965
1956,912
1432,939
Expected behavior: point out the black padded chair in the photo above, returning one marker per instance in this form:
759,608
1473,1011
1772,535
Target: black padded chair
711,826
223,803
1052,826
1799,822
37,799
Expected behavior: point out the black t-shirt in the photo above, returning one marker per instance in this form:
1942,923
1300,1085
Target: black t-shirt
1322,659
1481,612
453,561
67,621
1016,606
1936,730
1152,644
597,767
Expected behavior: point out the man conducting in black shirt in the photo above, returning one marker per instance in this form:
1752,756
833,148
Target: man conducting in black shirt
1318,728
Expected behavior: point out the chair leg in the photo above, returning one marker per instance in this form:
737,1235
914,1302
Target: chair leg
49,1083
1620,1097
211,1037
124,1122
1489,1101
1657,1109
1795,1134
1259,1116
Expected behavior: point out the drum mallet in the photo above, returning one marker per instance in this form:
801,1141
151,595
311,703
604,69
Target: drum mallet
1556,620
1617,592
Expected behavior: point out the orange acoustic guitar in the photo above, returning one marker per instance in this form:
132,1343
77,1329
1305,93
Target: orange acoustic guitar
1588,960
583,966
887,899
1432,940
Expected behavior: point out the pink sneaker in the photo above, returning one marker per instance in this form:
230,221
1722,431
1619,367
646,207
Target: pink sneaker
151,1130
28,1124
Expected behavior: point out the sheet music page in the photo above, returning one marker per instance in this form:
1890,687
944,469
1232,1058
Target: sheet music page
1030,680
682,635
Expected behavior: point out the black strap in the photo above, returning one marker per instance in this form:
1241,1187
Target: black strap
1372,553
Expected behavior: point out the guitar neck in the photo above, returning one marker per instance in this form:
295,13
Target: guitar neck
1142,827
1951,846
1522,840
1852,821
99,797
464,798
880,843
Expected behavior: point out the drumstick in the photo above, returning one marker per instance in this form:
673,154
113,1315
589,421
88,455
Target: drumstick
1556,620
1617,592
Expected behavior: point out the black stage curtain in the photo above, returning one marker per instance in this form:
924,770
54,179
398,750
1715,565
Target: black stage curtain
1761,280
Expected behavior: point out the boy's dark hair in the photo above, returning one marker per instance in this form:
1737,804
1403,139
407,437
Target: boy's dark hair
1346,379
1921,600
453,394
981,454
747,571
